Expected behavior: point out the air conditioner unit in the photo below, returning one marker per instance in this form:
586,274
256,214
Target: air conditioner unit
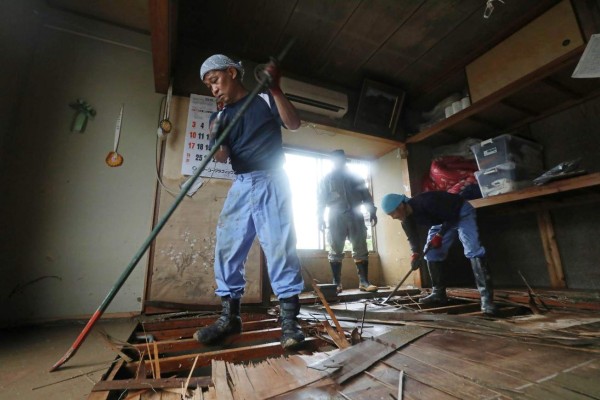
315,99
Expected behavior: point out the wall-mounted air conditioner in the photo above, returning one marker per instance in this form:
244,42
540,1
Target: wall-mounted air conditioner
315,99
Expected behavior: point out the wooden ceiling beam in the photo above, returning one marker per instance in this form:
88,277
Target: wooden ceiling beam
163,28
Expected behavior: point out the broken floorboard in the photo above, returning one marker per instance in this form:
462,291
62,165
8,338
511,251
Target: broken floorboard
551,356
440,365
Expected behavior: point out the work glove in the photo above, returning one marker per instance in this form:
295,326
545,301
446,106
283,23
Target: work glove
274,73
436,241
322,224
415,261
373,220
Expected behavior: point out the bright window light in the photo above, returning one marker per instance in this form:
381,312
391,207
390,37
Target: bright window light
305,172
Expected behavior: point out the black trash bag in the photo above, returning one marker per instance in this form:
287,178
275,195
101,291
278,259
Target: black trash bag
566,169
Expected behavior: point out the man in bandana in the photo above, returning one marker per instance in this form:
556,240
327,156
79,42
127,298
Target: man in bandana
259,201
447,215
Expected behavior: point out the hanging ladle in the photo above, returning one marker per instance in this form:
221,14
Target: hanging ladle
114,159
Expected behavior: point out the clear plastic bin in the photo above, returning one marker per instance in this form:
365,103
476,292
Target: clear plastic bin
504,178
508,148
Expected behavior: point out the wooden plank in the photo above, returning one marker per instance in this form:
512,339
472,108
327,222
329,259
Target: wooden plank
551,253
338,338
525,361
184,362
367,387
548,390
341,337
435,375
453,363
582,379
534,46
284,375
187,322
559,299
452,309
220,380
183,333
564,185
103,395
130,384
172,346
358,358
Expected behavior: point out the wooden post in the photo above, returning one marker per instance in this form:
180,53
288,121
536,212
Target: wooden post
553,261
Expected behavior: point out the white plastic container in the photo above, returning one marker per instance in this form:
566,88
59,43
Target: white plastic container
504,178
508,148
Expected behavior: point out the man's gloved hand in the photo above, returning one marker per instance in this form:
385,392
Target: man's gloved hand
436,241
273,71
322,225
373,220
415,261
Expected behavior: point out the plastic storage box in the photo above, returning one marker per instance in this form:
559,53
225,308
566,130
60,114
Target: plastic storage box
508,148
505,178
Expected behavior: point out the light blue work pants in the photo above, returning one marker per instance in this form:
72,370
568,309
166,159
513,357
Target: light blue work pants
468,234
258,203
349,225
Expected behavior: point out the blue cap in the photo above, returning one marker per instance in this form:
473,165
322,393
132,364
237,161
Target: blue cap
391,201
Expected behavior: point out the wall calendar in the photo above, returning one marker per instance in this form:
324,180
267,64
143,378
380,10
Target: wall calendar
197,147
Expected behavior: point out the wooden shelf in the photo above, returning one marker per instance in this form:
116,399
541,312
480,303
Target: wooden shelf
541,93
565,185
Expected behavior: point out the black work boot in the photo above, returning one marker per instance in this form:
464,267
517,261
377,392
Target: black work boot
291,334
362,267
438,292
336,271
483,280
228,323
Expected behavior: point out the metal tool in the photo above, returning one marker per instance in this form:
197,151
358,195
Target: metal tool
265,81
427,247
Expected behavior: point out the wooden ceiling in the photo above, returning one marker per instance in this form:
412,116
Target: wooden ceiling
420,46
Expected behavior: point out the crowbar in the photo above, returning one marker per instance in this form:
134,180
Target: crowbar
263,83
427,247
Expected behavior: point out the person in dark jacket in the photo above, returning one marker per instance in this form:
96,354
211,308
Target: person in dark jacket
447,215
344,193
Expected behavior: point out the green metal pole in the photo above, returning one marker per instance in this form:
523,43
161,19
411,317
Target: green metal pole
264,82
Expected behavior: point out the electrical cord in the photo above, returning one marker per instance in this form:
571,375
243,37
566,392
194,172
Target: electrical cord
157,153
171,191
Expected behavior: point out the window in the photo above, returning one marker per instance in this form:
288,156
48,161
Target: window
305,171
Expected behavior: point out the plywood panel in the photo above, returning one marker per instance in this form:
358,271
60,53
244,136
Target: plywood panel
184,250
539,43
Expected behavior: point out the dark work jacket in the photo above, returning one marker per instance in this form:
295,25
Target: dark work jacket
430,209
343,191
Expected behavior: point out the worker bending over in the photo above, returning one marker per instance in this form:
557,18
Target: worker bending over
447,215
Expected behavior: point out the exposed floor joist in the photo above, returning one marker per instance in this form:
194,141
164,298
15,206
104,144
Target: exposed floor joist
455,353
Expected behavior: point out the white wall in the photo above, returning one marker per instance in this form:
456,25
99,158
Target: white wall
70,224
388,175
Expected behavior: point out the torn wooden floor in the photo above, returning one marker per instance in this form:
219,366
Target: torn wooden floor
450,352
